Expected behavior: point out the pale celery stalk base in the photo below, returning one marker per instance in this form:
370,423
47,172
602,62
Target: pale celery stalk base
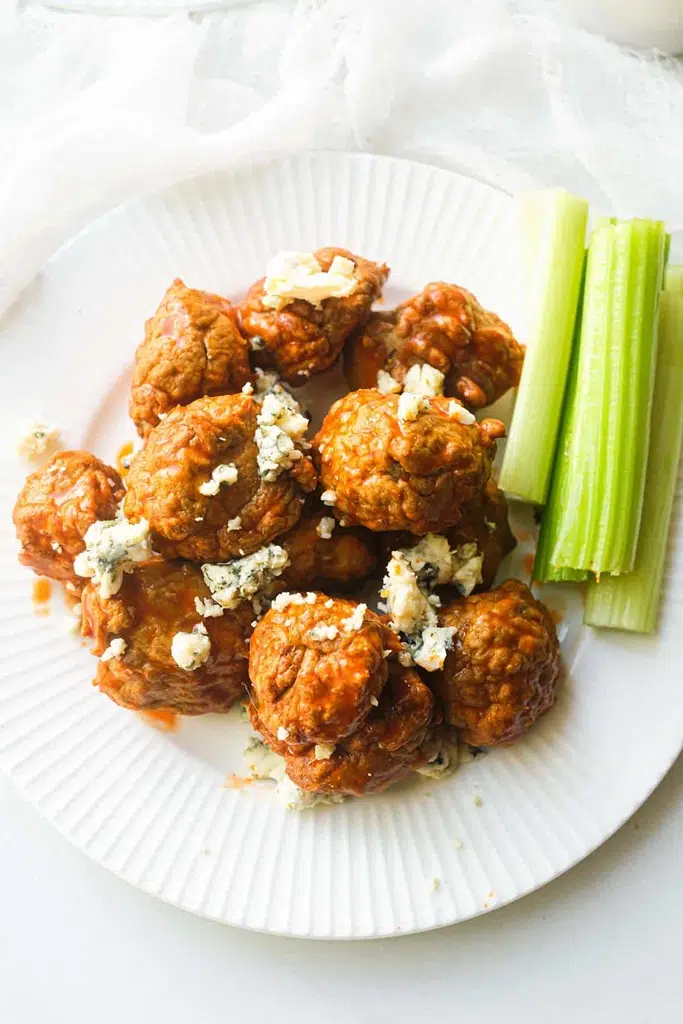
631,601
553,227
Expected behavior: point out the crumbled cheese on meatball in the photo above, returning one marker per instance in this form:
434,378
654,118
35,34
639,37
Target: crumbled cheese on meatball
407,604
284,600
248,389
355,620
266,381
467,563
423,379
39,441
443,763
412,612
410,406
280,431
264,763
374,702
323,632
490,525
299,275
112,547
117,648
430,647
386,385
325,527
282,733
224,474
207,608
239,580
328,497
430,560
191,650
458,412
435,563
234,524
323,751
56,546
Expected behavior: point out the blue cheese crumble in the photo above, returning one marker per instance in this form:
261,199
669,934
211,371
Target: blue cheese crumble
423,379
325,527
412,574
231,583
413,615
39,441
299,275
264,763
207,608
435,563
191,650
279,434
112,547
355,620
386,385
410,406
116,649
224,474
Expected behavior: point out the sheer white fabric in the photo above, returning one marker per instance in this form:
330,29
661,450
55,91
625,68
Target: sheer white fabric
95,109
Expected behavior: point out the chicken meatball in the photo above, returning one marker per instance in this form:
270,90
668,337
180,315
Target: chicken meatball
200,482
319,549
503,669
410,463
300,339
485,523
151,634
56,506
192,347
446,327
397,736
331,697
317,666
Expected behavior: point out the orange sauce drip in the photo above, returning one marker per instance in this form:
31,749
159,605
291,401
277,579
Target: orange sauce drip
161,718
42,592
125,450
528,563
556,615
237,782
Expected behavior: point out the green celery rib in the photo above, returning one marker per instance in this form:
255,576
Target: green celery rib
593,515
553,235
642,388
581,472
631,601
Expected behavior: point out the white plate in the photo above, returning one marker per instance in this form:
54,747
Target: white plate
153,807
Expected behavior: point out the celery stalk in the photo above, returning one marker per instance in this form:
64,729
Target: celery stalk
593,514
631,601
553,226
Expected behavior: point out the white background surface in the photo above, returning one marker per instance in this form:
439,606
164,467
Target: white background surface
600,945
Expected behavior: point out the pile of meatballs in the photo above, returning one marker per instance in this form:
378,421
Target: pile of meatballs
222,567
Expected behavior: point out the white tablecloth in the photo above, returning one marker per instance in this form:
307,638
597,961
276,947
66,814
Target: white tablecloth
601,945
93,110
